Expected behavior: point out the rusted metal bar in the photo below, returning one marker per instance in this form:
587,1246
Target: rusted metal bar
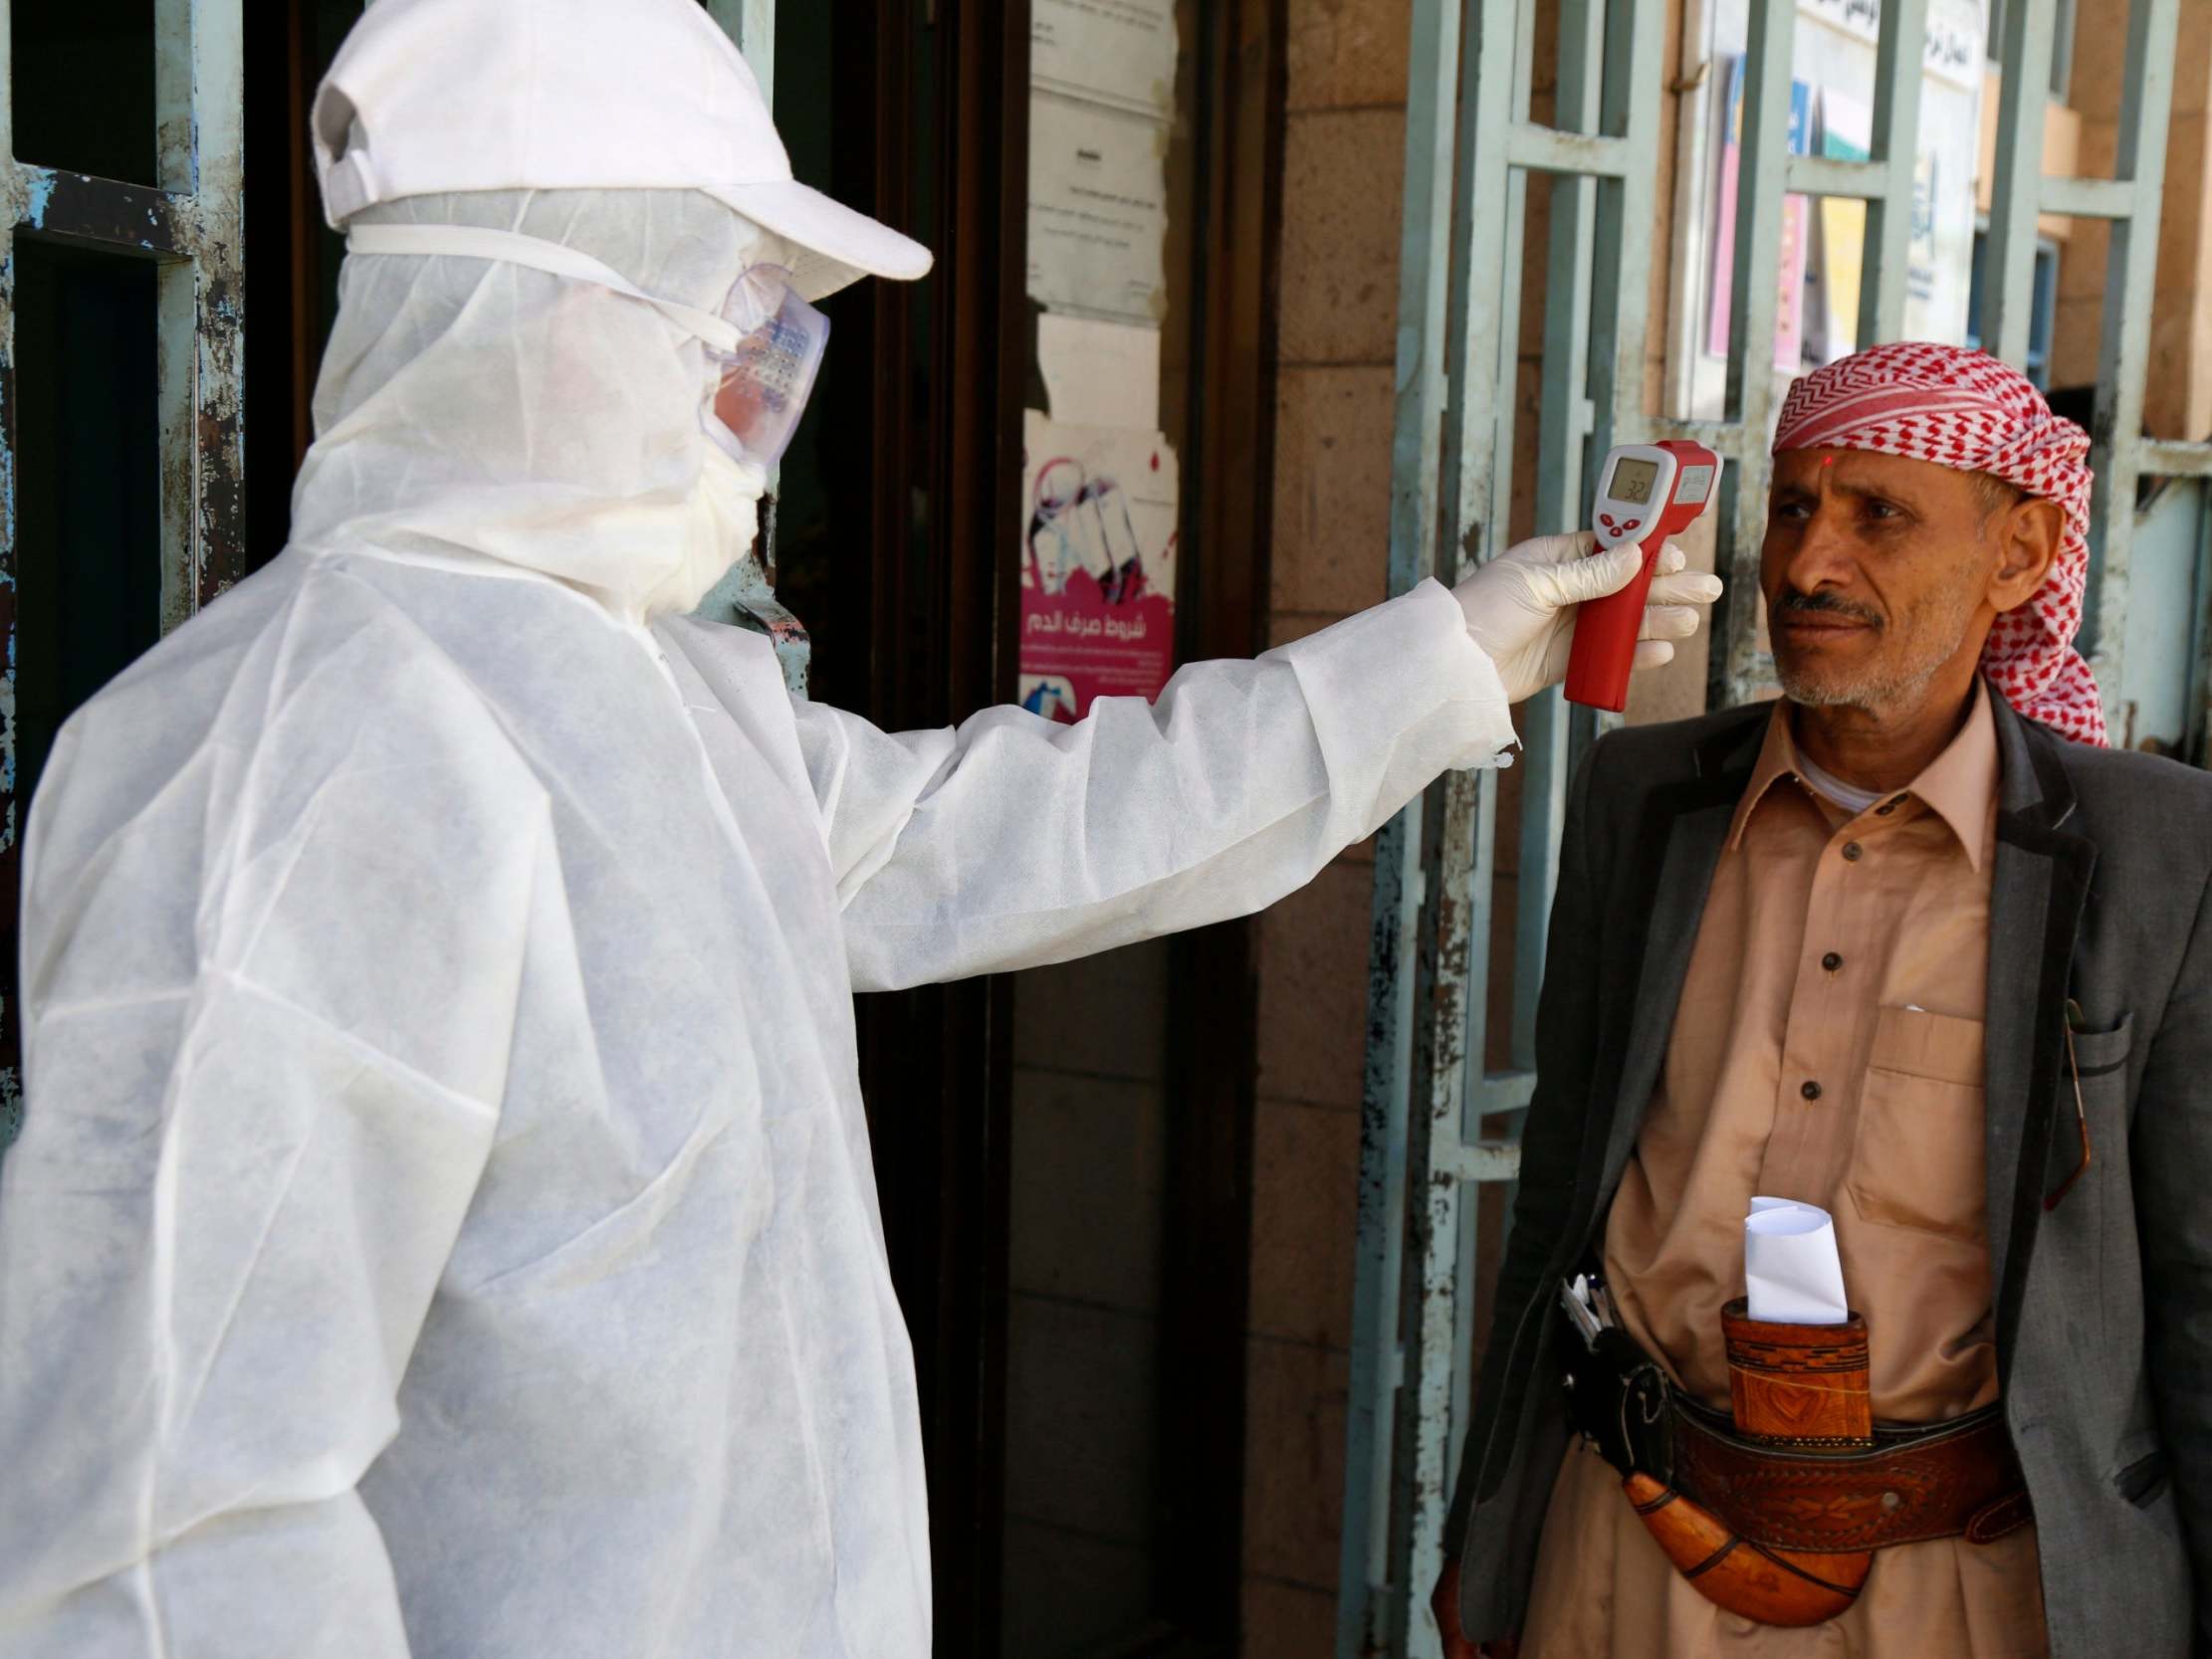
12,205
103,214
2123,360
199,92
2089,198
1562,462
1825,175
1761,182
2016,193
1376,1599
1546,149
2167,457
1898,53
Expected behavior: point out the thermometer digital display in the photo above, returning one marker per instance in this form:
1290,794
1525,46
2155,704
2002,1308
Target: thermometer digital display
1646,493
1633,479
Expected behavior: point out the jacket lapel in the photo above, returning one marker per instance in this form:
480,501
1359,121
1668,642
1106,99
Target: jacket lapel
1688,823
2038,888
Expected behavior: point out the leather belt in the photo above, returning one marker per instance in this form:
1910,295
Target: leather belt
1944,1480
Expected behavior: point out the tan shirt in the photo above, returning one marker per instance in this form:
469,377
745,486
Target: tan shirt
1828,1048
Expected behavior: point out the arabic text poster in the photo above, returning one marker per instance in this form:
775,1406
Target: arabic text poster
1098,214
1098,565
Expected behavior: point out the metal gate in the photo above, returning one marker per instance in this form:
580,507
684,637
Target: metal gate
1428,1169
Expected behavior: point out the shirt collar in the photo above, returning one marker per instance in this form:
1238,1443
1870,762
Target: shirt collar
1958,786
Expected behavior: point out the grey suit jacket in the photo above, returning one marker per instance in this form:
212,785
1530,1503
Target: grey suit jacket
2103,1304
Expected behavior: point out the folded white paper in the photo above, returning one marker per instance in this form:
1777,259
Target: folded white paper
1791,1272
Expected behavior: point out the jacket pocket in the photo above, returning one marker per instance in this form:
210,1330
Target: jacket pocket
2103,1054
2144,1481
2100,1063
1917,1157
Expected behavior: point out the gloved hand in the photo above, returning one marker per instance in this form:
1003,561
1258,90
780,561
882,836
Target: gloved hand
1520,607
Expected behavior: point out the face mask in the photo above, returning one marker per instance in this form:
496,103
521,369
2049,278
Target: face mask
725,525
766,342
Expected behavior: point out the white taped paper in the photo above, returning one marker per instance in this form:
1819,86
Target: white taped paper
1791,1272
1100,373
1119,51
1098,210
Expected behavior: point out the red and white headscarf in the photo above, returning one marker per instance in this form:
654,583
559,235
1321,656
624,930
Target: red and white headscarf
1966,410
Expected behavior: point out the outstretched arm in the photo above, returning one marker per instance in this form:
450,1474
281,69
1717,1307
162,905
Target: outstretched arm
1014,841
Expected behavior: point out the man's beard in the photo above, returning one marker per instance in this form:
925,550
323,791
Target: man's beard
1893,680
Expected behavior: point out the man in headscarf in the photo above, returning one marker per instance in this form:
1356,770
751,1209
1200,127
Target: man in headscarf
1911,945
444,1222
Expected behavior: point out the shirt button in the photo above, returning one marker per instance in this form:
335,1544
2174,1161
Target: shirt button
1832,961
1853,852
1811,1091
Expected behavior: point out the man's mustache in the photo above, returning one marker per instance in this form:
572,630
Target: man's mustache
1828,604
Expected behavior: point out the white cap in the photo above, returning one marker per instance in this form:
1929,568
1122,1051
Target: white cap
428,97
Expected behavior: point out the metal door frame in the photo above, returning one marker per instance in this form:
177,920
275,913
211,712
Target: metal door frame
189,225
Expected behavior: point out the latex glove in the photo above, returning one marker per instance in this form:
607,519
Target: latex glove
1520,607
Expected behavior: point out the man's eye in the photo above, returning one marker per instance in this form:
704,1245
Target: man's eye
1881,509
1793,511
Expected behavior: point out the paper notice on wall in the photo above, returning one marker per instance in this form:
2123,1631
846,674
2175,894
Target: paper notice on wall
1099,373
1118,52
1098,221
1098,565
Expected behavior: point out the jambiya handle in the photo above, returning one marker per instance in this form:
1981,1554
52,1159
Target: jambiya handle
1774,1587
1805,1386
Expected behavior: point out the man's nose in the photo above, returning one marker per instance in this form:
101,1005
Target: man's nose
1822,557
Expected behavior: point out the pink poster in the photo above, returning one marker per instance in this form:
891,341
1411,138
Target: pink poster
1098,562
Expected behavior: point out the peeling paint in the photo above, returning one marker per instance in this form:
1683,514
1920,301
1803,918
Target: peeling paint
100,213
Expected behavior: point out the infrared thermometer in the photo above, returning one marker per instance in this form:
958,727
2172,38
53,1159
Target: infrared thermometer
1646,493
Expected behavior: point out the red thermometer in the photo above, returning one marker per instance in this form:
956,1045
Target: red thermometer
1646,493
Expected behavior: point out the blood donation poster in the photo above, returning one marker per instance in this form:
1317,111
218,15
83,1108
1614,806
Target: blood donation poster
1098,565
1101,497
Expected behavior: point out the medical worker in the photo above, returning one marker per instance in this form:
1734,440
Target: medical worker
443,1223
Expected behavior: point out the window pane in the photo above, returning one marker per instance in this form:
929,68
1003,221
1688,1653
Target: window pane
89,533
83,86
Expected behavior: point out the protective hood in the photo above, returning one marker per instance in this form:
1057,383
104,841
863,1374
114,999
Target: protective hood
474,413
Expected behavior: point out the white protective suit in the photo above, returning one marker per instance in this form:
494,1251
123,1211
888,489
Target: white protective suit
443,1221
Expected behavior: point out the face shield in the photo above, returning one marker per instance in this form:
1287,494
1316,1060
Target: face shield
766,380
766,342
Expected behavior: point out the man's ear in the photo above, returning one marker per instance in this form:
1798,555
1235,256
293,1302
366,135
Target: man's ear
2029,534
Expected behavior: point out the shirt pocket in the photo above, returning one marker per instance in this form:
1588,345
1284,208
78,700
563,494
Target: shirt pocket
1917,1159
